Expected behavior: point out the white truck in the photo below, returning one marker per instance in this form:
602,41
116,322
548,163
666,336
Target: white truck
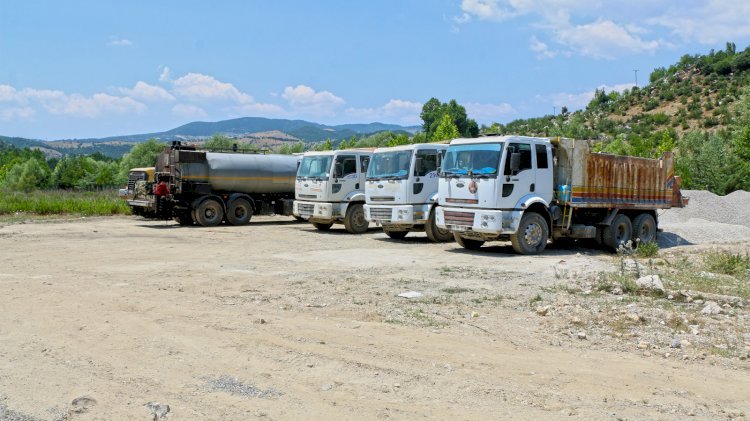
401,190
530,190
330,188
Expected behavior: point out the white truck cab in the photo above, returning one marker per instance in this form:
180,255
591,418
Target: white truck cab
401,190
488,184
330,189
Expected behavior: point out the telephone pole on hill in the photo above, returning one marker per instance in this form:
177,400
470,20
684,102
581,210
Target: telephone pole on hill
636,77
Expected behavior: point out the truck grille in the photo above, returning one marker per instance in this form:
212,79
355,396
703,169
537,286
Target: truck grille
305,209
133,178
308,196
382,199
381,214
459,218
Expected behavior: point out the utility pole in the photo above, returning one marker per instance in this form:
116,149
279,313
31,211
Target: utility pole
554,110
636,77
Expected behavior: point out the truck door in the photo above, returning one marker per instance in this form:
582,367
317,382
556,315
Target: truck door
514,185
424,176
345,177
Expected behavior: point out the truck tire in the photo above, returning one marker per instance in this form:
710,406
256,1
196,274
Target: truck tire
618,233
239,211
644,229
321,226
354,220
209,213
532,234
396,235
435,233
467,243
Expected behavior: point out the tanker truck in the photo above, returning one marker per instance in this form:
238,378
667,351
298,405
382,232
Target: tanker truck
401,190
208,188
531,190
331,189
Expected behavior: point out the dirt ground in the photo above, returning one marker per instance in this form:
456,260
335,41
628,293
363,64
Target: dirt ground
124,318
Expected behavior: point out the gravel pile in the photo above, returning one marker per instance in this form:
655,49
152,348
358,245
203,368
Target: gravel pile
708,218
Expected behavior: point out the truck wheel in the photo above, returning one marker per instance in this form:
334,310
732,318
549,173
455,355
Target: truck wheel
209,213
239,212
396,235
532,234
467,243
321,226
644,229
618,233
435,233
354,220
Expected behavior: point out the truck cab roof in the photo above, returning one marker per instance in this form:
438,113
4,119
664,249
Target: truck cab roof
358,151
413,147
496,139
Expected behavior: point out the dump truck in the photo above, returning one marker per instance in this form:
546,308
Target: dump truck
208,188
401,190
138,193
531,190
330,189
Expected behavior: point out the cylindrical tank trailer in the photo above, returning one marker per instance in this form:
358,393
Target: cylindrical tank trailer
210,187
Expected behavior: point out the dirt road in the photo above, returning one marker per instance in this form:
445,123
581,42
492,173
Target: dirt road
276,320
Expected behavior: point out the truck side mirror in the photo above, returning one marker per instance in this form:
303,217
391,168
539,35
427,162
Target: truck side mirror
338,170
515,162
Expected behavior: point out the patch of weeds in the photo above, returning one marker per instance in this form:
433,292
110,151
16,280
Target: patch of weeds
496,299
628,285
561,288
560,273
445,269
677,323
647,250
720,351
618,325
728,263
391,321
455,290
536,299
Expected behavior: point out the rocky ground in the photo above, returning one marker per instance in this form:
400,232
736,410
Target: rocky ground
123,318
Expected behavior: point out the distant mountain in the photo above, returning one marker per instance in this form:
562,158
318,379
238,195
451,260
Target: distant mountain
246,127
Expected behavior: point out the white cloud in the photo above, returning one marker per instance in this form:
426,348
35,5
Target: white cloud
707,22
486,10
488,113
602,29
603,39
577,101
77,105
200,87
16,113
189,111
306,100
165,75
394,111
119,42
146,92
28,100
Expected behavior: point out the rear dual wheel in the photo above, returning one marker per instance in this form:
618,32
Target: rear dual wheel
239,212
209,213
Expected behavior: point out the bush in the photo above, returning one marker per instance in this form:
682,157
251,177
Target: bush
728,263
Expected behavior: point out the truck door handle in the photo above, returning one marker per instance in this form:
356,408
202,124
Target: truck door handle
531,187
356,186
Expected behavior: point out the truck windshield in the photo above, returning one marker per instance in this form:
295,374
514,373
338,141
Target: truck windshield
389,165
477,159
316,166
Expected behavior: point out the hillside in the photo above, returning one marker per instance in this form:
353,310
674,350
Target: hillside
255,130
697,93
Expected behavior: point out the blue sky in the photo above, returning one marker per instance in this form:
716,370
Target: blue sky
79,69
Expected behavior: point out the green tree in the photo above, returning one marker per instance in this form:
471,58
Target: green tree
141,155
432,116
26,176
446,130
219,142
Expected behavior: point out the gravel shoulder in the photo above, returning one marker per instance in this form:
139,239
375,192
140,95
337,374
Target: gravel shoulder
123,318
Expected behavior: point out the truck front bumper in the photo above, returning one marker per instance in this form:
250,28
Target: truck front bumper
317,211
482,221
397,214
